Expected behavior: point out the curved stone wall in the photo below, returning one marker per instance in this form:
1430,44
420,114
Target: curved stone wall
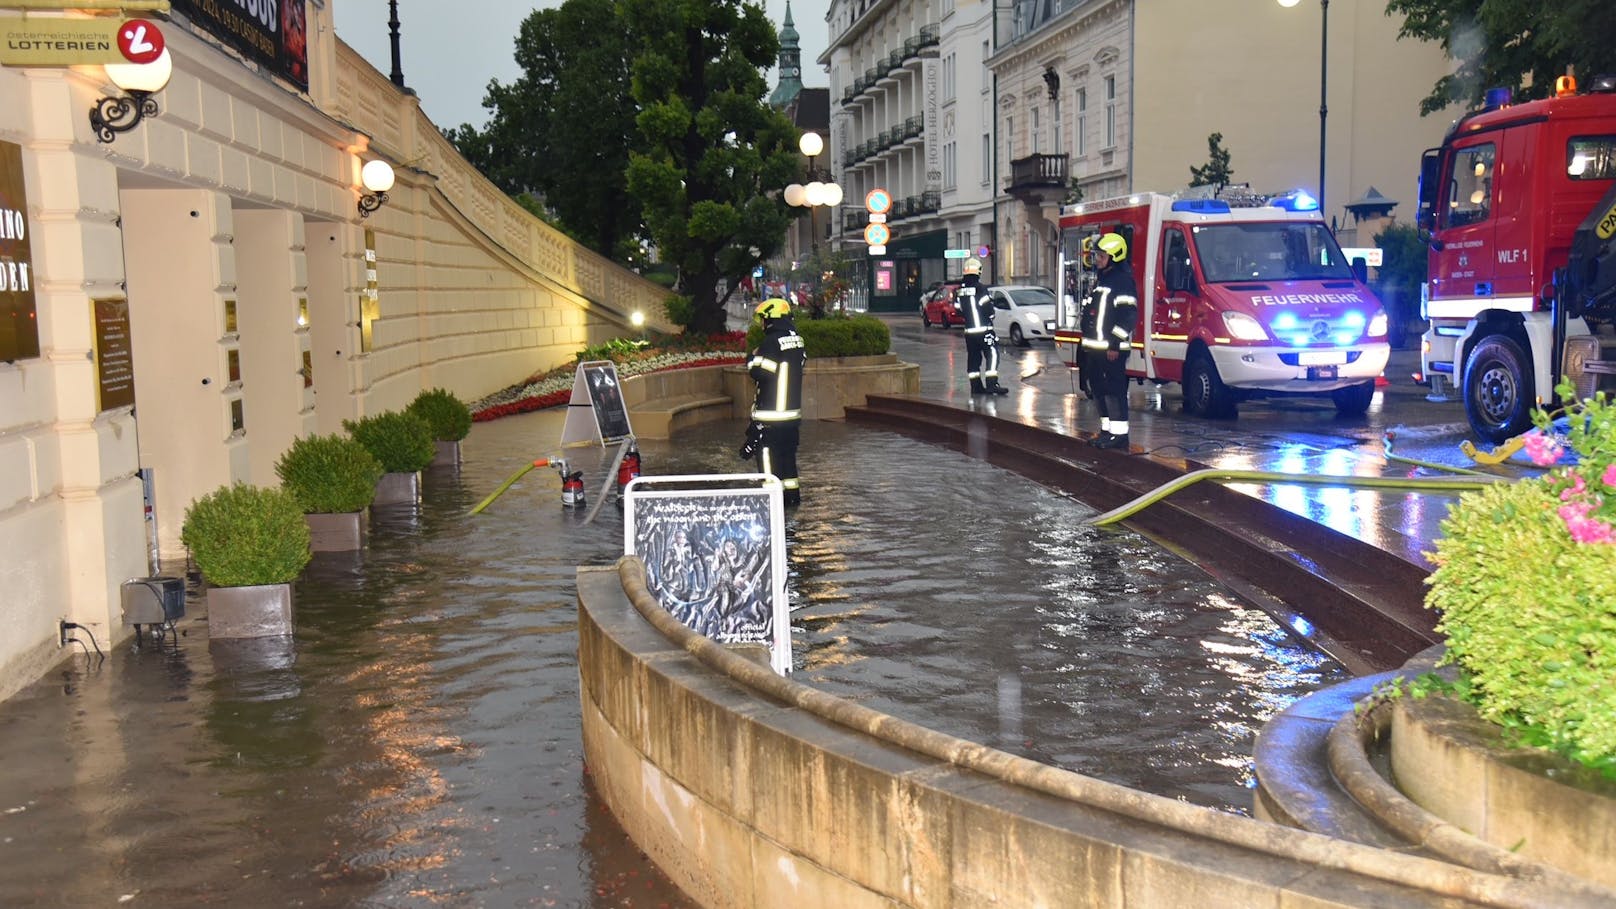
753,790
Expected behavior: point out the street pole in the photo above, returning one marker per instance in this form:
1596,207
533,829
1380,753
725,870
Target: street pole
1324,110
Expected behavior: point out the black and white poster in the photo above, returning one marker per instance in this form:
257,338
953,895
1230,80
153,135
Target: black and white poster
714,554
596,389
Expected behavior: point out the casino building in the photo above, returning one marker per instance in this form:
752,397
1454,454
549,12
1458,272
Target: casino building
185,294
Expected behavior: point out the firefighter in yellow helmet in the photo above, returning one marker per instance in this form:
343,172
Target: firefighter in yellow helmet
1109,312
981,347
777,366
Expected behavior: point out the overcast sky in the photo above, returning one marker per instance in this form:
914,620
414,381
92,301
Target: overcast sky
449,64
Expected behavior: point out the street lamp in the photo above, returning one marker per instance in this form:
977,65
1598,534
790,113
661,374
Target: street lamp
820,189
1324,55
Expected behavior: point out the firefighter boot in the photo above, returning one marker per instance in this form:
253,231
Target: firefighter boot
1111,441
977,388
793,497
994,388
1101,440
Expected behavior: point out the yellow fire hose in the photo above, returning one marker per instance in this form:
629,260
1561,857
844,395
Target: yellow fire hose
541,462
1444,484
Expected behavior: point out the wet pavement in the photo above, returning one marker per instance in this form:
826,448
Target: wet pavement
417,742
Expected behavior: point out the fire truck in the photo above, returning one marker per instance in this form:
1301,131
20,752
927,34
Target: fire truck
1237,300
1519,208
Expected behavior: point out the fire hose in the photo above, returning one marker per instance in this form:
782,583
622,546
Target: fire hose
541,462
1443,484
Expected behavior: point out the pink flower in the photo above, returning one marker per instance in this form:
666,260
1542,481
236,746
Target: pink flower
1577,488
1609,476
1585,529
1543,448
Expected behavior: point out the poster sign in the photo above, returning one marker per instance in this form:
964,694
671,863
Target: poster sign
59,42
272,33
596,412
114,360
19,325
715,556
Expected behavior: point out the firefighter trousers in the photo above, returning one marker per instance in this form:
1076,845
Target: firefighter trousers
1110,386
982,360
778,456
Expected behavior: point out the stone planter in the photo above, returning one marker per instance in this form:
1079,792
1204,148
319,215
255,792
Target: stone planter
448,454
264,610
398,489
343,532
1455,764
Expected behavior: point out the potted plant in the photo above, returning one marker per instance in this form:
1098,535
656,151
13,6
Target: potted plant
250,543
402,443
1526,585
449,419
334,480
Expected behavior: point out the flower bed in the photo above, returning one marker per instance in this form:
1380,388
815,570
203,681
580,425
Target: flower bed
554,388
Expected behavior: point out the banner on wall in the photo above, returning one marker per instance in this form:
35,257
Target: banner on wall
271,33
19,321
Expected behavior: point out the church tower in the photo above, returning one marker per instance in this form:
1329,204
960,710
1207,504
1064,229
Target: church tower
790,65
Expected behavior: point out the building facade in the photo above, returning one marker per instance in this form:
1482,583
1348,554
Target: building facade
1097,98
204,288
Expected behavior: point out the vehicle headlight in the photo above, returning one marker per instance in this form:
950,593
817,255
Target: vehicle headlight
1243,327
1032,318
1377,325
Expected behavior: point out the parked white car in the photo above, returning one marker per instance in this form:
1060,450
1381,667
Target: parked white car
1023,313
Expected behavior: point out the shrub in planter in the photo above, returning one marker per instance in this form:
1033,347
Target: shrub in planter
329,474
243,536
1526,583
401,441
448,417
835,336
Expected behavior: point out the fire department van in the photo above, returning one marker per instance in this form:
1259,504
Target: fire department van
1234,302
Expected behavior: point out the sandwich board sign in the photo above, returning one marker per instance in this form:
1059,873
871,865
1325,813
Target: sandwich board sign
596,411
715,555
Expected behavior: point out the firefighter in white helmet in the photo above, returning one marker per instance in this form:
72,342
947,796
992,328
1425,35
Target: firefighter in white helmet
1109,312
777,366
981,347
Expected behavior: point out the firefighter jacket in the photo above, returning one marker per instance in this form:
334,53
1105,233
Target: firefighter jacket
1110,310
974,305
776,366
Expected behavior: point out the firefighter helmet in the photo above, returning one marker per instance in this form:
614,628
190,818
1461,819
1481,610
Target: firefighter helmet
1113,245
973,266
773,308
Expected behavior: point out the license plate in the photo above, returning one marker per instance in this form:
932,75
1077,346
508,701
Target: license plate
1321,358
1049,326
1321,373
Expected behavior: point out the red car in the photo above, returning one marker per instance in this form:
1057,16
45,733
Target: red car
937,306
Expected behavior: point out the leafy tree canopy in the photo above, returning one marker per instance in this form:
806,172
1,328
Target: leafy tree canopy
712,156
1520,44
1216,173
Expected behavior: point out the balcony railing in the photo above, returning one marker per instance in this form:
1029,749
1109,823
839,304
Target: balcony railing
930,34
854,221
1038,171
931,200
895,59
913,127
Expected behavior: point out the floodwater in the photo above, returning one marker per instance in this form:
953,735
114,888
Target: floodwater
417,743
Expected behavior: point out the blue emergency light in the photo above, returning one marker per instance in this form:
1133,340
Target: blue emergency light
1295,200
1202,206
1496,98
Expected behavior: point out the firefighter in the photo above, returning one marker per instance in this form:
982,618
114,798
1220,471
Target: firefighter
777,366
1109,312
981,347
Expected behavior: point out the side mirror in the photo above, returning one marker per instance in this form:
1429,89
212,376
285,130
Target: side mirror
1180,276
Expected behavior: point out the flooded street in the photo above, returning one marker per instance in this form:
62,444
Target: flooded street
417,743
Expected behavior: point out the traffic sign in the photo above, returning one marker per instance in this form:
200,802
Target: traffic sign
956,253
878,201
877,234
140,41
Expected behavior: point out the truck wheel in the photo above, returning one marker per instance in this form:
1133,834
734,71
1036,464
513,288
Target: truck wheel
1498,391
1016,337
1204,393
1353,400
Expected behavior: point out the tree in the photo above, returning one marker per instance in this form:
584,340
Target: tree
1519,44
1216,173
713,156
564,129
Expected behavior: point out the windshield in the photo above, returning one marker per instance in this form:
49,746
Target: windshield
1032,296
1269,251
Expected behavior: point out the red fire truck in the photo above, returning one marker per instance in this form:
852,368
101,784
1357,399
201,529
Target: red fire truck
1522,285
1235,301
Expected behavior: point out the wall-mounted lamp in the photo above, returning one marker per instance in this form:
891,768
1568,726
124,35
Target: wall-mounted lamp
120,113
378,179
